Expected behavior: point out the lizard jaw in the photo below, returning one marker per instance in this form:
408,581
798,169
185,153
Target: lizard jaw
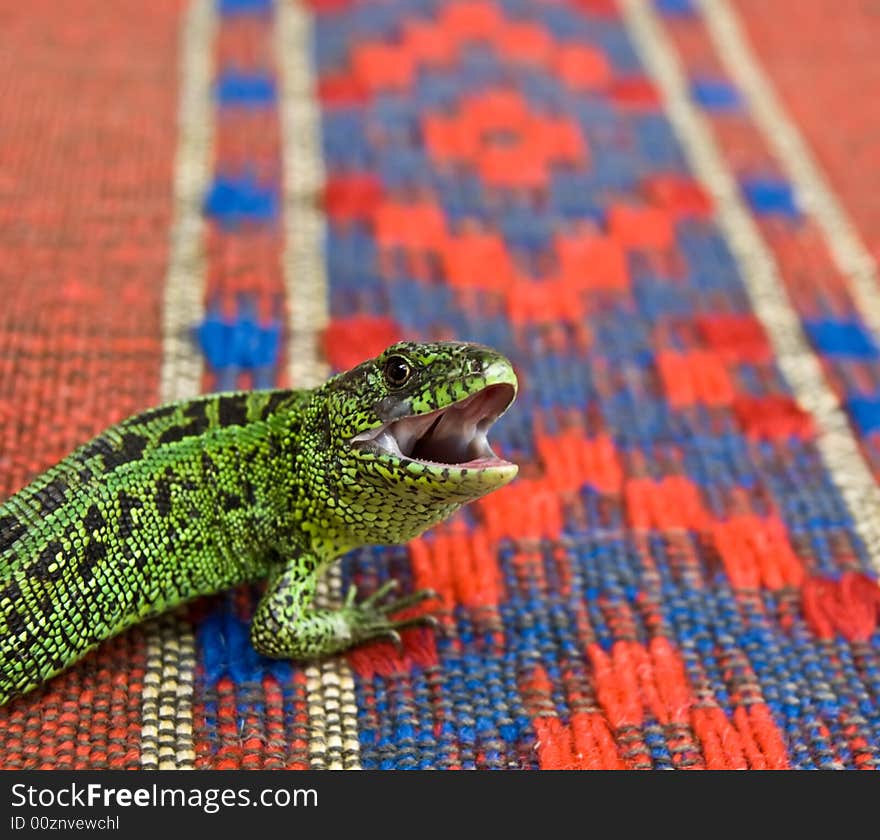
454,436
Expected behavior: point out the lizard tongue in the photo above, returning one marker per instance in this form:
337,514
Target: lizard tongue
451,439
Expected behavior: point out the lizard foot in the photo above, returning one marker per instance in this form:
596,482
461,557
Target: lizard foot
372,618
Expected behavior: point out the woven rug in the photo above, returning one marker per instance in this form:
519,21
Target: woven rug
663,212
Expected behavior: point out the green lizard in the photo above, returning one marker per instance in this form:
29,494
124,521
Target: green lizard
197,496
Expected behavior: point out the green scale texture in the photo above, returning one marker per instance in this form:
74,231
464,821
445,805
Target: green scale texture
195,497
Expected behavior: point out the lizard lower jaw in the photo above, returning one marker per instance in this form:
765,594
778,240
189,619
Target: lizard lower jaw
452,436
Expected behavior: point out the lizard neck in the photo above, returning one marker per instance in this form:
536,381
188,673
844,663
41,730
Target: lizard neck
303,470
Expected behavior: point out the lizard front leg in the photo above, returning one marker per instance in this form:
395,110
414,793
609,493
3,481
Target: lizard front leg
287,626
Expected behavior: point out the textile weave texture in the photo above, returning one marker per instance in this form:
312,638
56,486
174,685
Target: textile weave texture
221,194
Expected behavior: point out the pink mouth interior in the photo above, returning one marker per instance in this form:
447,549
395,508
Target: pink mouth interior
454,436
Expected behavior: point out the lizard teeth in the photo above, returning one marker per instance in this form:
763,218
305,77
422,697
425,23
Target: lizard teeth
385,440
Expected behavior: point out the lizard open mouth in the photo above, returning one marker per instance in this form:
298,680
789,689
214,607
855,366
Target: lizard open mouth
451,436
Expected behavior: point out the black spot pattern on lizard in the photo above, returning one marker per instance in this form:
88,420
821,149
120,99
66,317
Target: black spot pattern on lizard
99,447
209,468
199,423
93,554
162,497
231,501
275,401
131,448
16,623
47,606
155,414
11,592
11,530
326,429
232,410
46,566
172,435
133,556
51,496
172,533
94,519
127,505
197,414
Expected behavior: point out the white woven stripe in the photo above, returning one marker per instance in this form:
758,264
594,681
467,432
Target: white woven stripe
167,734
814,193
303,260
836,443
333,741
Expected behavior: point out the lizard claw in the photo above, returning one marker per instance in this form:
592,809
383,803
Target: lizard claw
426,620
394,637
411,600
371,600
371,619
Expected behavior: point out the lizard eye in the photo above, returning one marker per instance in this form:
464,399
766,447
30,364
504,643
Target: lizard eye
397,371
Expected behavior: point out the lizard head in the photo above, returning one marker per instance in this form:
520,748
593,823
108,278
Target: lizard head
413,423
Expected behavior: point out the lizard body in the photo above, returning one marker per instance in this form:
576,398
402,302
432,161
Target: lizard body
194,497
